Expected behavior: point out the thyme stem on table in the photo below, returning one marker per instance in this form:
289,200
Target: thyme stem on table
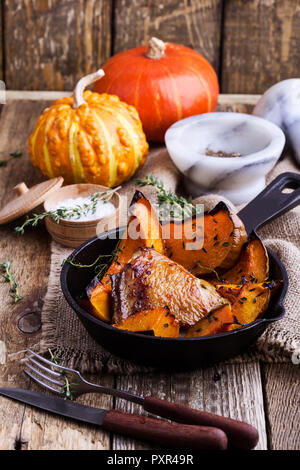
9,277
11,155
180,206
64,213
67,388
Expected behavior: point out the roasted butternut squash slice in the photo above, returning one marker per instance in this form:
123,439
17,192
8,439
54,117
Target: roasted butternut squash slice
151,280
229,291
201,243
158,320
253,264
216,321
142,221
239,238
251,303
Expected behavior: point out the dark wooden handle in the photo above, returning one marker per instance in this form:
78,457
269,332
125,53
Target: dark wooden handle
240,435
163,433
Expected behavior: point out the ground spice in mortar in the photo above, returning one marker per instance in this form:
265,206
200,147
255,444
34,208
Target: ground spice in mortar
221,153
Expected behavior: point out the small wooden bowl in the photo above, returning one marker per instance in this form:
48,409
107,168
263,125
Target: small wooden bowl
74,233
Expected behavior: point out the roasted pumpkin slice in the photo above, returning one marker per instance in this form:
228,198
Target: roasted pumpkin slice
216,321
151,280
143,221
200,243
159,320
239,238
144,217
229,291
253,264
251,303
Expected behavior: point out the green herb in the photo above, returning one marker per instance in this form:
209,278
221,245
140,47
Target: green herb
67,388
14,286
64,213
99,268
216,237
198,330
204,249
216,243
254,300
225,244
166,325
218,276
15,154
12,155
182,207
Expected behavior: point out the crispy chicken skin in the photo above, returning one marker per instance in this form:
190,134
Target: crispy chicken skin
151,280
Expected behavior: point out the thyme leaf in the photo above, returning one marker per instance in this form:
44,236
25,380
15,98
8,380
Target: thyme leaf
172,205
67,388
9,277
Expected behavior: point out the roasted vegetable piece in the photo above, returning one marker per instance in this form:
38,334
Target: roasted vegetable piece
142,217
253,264
216,321
239,238
151,280
216,227
251,303
229,291
159,320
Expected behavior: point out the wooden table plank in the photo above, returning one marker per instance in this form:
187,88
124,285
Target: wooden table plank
229,390
281,384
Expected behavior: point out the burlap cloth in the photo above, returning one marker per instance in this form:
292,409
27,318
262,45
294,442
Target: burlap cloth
64,333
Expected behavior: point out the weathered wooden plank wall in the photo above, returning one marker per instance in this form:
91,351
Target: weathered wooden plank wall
49,44
197,24
260,44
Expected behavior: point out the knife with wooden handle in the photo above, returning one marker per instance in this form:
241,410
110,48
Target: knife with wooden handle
240,435
162,433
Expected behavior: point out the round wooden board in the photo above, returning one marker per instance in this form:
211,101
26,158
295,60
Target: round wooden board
28,199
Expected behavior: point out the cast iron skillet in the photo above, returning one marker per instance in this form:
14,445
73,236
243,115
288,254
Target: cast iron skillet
183,353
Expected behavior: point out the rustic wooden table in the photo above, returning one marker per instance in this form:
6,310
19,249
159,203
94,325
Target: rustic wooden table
263,394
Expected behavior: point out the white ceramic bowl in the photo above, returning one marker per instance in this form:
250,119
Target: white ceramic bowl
240,179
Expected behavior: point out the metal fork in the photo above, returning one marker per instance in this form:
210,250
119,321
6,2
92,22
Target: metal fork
54,377
41,370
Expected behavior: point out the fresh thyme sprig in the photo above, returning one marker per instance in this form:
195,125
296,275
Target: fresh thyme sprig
67,388
9,277
11,155
99,268
171,205
63,213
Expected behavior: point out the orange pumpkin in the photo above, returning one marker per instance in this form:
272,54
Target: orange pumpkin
89,138
165,82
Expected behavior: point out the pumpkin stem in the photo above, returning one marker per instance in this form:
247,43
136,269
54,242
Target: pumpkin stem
82,84
156,49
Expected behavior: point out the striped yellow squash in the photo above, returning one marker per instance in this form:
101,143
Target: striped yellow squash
89,137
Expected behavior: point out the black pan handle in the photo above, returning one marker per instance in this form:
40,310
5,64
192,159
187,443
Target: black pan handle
272,202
